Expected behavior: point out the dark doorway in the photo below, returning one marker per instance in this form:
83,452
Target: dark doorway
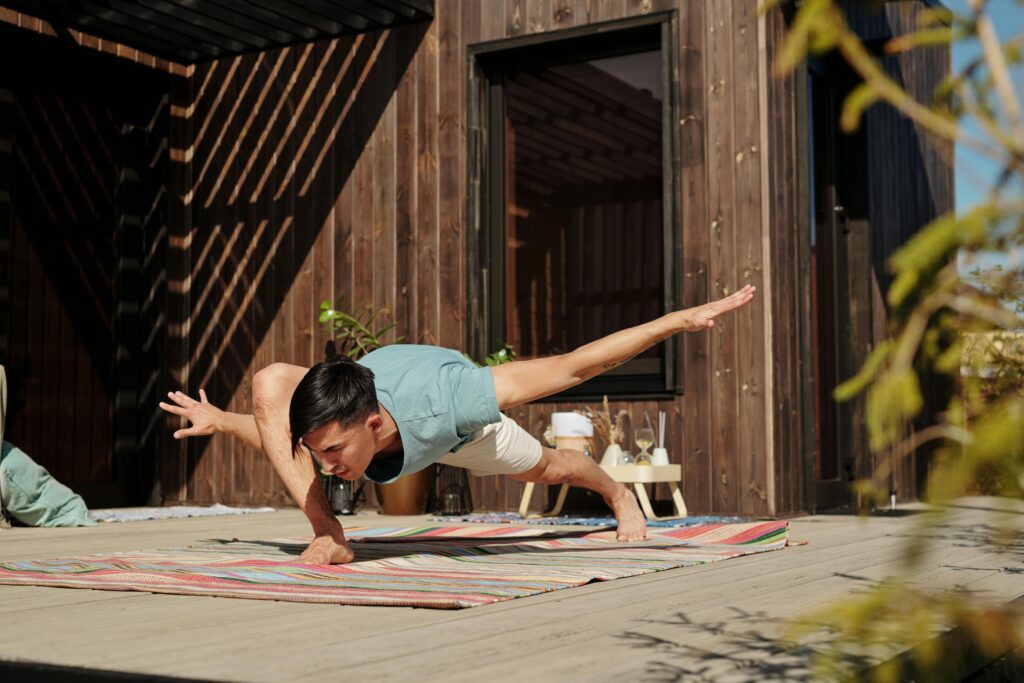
82,264
837,206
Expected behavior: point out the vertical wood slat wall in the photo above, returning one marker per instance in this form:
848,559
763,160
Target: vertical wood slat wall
916,187
786,296
73,189
919,189
337,170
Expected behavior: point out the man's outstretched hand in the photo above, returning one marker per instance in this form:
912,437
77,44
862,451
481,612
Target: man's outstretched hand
204,416
328,550
703,317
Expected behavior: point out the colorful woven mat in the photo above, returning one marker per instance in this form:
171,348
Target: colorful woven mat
441,567
433,532
514,518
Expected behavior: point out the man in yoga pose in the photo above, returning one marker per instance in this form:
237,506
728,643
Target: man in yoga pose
402,408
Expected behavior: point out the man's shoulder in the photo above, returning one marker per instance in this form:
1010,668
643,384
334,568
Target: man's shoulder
413,353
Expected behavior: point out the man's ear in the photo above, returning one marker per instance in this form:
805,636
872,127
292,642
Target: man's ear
374,422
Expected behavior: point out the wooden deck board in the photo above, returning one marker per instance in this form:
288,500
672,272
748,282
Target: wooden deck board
719,621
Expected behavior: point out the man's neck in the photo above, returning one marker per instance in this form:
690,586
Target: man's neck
389,440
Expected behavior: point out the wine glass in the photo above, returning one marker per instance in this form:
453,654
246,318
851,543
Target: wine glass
643,437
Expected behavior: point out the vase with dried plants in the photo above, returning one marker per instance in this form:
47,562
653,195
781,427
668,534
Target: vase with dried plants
611,430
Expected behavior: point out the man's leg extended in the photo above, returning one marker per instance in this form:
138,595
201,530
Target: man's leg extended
566,466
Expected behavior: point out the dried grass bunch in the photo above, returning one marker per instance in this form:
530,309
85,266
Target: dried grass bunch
611,431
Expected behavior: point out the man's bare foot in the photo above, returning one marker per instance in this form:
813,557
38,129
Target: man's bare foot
632,523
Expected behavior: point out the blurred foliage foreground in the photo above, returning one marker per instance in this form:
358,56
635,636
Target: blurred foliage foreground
946,318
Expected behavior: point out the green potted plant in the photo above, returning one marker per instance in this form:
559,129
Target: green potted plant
353,334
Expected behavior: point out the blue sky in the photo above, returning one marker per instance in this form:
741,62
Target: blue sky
974,173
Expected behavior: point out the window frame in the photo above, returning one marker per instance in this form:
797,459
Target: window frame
486,207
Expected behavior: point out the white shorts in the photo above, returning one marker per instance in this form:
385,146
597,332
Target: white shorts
500,448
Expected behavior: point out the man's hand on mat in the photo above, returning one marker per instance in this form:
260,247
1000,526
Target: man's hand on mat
328,550
204,416
703,317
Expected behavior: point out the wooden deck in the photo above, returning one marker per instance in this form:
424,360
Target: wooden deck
716,622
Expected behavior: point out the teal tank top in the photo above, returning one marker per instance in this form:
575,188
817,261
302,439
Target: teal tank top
436,396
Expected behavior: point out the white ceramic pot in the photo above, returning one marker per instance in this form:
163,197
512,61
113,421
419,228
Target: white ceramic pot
612,455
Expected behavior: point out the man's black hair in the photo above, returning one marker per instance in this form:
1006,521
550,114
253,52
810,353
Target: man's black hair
338,390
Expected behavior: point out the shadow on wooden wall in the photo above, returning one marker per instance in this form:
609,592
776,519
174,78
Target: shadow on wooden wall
261,147
85,240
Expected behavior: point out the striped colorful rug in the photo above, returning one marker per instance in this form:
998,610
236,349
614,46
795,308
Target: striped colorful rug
440,566
577,520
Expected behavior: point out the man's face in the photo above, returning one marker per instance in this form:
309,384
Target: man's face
345,452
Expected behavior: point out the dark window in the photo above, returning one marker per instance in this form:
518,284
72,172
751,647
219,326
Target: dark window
578,219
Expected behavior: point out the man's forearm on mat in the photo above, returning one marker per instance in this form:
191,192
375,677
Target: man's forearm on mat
303,484
298,473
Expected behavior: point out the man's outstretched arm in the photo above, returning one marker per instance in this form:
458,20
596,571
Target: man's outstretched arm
206,419
520,382
269,432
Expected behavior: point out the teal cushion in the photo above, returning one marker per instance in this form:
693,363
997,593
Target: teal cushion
30,495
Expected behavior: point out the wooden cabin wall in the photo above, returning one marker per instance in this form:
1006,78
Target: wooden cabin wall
338,170
918,187
82,238
789,294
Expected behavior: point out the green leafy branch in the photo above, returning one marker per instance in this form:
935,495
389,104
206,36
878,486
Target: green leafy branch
968,331
506,353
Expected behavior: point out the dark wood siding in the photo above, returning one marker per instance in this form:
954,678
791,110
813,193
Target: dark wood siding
365,198
788,295
909,183
917,187
83,234
339,170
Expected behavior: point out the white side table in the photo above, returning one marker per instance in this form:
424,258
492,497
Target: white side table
637,475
